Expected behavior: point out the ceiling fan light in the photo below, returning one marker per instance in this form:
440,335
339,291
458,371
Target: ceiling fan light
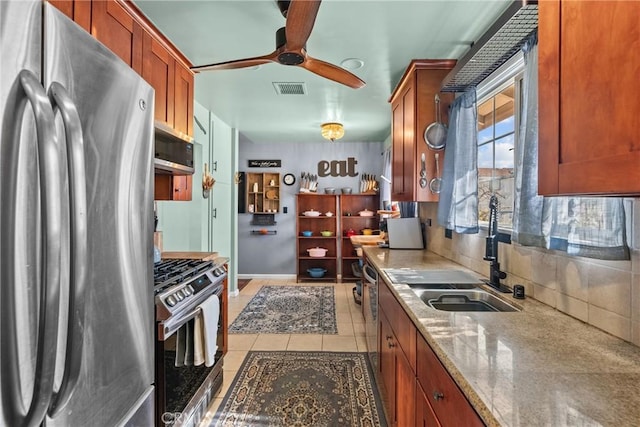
332,130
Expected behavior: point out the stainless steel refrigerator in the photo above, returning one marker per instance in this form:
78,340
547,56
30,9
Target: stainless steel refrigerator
76,230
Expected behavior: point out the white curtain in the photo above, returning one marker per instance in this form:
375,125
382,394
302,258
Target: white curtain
592,227
458,204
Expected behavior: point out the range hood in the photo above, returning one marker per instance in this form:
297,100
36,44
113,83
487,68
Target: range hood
173,151
499,43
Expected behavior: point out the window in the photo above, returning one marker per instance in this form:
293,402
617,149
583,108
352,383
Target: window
498,122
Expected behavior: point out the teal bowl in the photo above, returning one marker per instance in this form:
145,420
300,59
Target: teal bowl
316,272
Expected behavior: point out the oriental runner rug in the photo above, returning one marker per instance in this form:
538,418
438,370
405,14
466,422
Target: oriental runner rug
288,310
303,389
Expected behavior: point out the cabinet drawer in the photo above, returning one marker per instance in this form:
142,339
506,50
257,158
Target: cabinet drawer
449,404
402,327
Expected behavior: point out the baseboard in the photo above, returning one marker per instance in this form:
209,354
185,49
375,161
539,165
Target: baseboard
268,276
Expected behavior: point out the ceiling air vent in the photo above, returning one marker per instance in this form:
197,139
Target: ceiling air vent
290,88
501,41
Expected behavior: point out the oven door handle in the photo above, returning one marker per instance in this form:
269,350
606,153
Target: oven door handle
171,326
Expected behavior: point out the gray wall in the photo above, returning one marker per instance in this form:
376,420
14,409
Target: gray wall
275,255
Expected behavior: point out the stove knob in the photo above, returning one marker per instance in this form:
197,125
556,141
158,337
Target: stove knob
179,295
170,300
188,290
216,272
220,271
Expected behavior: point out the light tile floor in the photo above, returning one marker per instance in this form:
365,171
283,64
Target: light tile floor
350,335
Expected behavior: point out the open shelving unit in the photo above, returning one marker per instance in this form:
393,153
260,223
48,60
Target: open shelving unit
340,251
322,203
263,192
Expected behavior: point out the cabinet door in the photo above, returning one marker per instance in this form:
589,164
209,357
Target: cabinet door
405,392
448,402
387,365
424,413
114,27
403,147
79,11
182,187
397,152
158,69
183,99
589,127
170,187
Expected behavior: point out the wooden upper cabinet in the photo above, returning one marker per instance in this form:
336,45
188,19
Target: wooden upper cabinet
173,83
183,100
589,105
117,29
413,110
158,69
79,11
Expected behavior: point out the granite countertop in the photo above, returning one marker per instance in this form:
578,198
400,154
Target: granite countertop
536,367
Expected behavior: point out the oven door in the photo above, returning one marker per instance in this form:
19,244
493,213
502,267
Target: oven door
184,390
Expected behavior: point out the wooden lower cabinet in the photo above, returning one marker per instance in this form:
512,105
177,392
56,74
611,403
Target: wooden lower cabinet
415,387
442,394
425,417
396,372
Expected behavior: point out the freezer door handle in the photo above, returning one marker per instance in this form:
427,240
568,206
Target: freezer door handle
28,89
76,169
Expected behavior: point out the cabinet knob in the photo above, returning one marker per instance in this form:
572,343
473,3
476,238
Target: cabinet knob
388,337
391,344
437,396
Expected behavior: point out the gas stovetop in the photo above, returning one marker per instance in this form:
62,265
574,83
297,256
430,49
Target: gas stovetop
181,284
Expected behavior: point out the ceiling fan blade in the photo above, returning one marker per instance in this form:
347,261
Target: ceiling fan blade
332,72
238,63
300,19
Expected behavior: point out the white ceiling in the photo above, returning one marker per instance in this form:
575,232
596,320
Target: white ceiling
385,34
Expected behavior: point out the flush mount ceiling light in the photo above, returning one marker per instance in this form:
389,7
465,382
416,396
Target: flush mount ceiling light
332,130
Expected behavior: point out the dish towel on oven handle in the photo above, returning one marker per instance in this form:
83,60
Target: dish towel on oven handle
206,331
185,344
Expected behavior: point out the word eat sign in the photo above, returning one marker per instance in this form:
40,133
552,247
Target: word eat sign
338,167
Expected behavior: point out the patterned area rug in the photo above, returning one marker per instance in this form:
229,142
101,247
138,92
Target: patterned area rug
288,310
314,389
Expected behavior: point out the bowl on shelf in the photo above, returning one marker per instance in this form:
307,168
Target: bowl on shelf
329,214
329,190
365,212
367,231
311,213
307,233
316,272
326,233
317,252
346,190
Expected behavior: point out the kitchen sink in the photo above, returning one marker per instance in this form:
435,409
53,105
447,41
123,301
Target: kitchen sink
461,299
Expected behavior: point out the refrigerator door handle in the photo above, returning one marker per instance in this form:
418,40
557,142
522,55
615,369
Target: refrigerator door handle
29,90
63,103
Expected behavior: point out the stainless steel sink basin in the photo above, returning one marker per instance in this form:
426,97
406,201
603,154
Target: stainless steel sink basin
461,299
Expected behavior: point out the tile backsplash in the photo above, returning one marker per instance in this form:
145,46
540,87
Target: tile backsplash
605,294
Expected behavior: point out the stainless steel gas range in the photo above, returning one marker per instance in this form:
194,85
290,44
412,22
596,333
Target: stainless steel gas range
181,286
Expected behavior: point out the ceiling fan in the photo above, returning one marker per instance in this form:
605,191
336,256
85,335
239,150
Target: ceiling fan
290,46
